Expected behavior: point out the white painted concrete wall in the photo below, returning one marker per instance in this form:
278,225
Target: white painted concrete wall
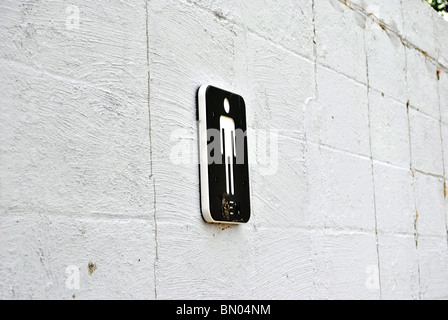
355,206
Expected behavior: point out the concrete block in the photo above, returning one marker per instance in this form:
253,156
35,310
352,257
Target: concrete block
426,143
429,195
276,273
418,20
394,195
62,257
387,68
389,130
280,188
339,118
340,33
422,89
100,44
433,261
70,148
341,190
346,265
399,267
281,86
441,30
285,22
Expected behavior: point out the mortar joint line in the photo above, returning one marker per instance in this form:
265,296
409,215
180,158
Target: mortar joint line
372,164
151,177
411,162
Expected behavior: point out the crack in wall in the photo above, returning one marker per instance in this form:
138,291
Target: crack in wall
371,160
151,177
410,159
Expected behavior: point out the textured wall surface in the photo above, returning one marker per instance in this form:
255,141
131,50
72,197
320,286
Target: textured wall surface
99,181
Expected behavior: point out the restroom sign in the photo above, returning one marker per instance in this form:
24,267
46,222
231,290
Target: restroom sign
224,169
